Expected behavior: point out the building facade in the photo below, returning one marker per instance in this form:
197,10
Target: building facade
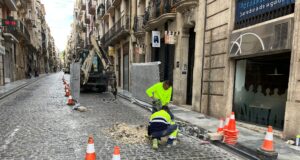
222,56
23,40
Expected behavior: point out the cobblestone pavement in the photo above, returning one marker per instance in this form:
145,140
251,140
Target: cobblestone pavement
37,124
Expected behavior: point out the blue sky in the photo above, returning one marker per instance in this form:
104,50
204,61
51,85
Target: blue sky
59,16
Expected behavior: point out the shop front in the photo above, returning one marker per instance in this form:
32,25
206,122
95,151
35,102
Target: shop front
262,56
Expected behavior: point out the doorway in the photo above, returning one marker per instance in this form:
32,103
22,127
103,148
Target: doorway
126,67
191,57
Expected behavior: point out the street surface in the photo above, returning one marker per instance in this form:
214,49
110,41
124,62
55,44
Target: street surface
37,124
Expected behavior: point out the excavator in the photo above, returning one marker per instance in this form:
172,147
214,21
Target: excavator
97,71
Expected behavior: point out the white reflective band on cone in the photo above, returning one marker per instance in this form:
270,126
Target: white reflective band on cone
269,136
90,148
232,116
116,157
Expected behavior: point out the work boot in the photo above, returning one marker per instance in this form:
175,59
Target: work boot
170,142
154,143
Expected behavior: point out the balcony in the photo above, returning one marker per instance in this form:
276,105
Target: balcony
117,32
139,26
87,19
116,3
100,11
157,13
109,6
181,5
82,5
20,32
11,4
92,7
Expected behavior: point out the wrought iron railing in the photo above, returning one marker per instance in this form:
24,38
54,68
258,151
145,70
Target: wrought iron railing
157,8
119,27
108,4
101,10
138,24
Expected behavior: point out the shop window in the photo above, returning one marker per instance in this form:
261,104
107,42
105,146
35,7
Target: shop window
261,89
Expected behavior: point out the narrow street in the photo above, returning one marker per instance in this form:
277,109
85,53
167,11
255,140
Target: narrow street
36,123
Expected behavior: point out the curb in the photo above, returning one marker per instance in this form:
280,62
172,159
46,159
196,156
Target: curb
6,94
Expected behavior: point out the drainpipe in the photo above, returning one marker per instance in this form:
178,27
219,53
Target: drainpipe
203,56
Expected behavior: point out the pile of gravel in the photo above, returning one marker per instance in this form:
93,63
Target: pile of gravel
128,134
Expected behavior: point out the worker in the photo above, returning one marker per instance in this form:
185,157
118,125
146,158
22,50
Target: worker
161,94
161,125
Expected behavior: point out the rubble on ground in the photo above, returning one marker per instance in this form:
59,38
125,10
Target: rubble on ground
128,134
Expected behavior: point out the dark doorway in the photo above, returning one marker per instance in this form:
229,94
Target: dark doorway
164,54
126,67
119,67
191,57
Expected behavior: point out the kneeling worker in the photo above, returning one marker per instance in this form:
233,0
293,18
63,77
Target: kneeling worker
161,125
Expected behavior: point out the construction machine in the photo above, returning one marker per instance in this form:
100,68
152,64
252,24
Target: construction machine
97,71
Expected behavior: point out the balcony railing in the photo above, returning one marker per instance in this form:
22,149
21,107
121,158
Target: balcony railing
117,31
92,7
82,4
108,4
100,11
157,13
11,4
20,31
138,24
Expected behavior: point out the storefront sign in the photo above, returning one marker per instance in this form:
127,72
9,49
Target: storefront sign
156,39
250,8
271,37
2,50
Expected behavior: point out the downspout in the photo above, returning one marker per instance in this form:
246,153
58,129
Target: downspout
203,55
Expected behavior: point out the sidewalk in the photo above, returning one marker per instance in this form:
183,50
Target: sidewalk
16,85
247,138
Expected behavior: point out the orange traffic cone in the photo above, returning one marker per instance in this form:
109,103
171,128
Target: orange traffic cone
70,101
67,92
116,155
268,141
221,125
230,131
90,150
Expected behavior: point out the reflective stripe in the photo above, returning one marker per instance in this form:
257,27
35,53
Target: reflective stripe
90,148
269,136
160,121
116,157
172,137
160,117
232,116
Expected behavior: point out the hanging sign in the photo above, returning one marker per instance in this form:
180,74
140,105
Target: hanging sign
156,39
139,48
170,37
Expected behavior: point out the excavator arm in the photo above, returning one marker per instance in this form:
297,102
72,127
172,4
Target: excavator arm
107,65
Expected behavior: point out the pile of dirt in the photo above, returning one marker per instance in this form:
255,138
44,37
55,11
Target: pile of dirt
129,134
